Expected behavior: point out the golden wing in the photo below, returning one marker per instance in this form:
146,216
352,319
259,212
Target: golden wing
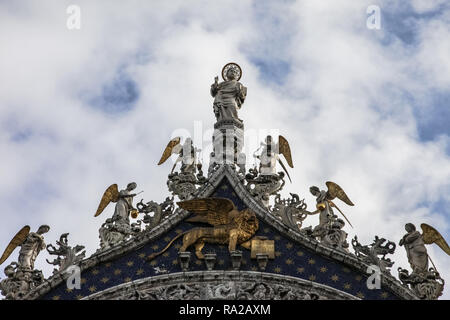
209,210
431,235
168,150
18,239
334,190
110,195
285,150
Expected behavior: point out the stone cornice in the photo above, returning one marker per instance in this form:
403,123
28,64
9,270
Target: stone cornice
157,284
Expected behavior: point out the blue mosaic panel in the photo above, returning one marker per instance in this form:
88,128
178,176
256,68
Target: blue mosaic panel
290,259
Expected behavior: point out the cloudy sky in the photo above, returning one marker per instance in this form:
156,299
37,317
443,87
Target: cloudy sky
366,108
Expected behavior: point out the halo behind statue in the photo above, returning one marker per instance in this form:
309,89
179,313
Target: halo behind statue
229,66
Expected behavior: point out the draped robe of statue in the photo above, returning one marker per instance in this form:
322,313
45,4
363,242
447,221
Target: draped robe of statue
188,157
416,252
326,213
30,250
268,162
229,97
123,207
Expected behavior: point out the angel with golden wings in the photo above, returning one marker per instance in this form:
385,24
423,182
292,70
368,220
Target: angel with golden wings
187,154
325,204
123,200
270,154
415,242
31,244
229,225
118,227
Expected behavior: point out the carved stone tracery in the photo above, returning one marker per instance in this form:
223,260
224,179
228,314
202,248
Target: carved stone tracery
292,212
263,186
66,255
427,285
198,288
370,253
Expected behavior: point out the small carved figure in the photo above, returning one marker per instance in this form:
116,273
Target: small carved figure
426,282
10,286
370,253
335,236
414,243
66,255
262,187
187,154
118,227
160,211
201,179
229,95
270,154
183,183
21,276
19,281
330,229
291,211
266,181
324,206
213,163
415,249
230,226
31,243
123,200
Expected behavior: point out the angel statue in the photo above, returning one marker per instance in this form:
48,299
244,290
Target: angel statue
118,227
21,276
229,225
270,154
230,94
266,181
426,282
330,227
31,243
186,152
414,243
183,183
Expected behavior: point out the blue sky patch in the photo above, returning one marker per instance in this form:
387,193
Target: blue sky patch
21,135
268,50
433,119
118,95
272,70
403,23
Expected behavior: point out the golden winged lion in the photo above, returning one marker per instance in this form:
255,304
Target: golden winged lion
230,226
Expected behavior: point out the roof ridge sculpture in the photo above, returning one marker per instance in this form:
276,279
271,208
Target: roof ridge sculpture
254,188
224,171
